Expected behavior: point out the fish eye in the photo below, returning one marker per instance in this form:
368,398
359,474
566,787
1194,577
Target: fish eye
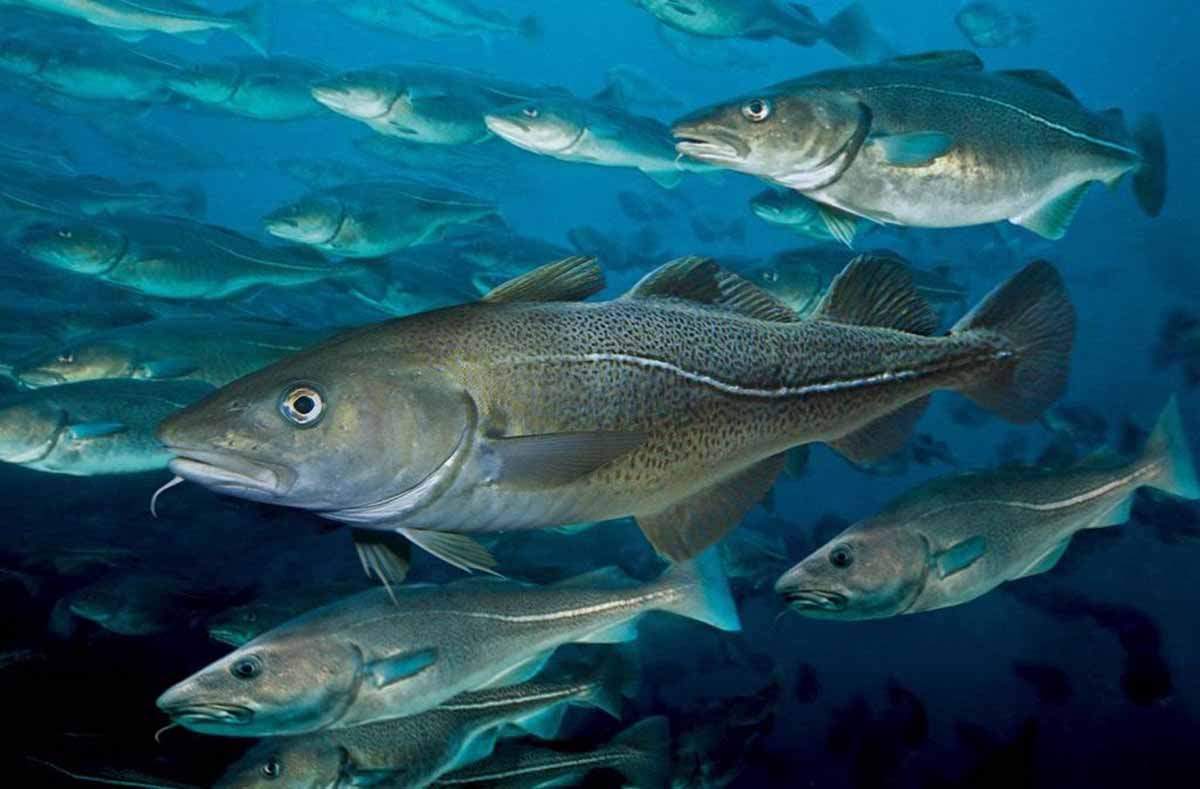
248,667
302,405
841,557
64,233
531,112
271,769
66,358
757,110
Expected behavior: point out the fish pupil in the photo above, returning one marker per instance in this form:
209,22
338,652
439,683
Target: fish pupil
304,405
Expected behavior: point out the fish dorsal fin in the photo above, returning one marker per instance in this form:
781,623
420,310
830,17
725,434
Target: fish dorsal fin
875,290
1114,115
703,281
569,279
960,556
1040,79
946,59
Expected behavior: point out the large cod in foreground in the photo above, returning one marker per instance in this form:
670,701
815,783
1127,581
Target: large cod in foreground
674,403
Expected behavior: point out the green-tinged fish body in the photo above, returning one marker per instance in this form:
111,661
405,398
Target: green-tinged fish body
411,752
272,89
641,754
176,258
175,348
675,403
93,195
136,603
133,18
436,19
97,427
375,218
87,70
807,217
386,654
323,173
950,541
932,141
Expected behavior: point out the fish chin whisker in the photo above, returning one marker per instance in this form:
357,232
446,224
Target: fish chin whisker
177,480
164,730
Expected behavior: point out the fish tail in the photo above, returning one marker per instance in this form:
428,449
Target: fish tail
706,596
252,26
1032,315
1168,443
193,201
617,676
1150,179
530,28
850,31
650,741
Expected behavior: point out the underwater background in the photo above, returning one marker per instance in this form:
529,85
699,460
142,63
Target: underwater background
1079,676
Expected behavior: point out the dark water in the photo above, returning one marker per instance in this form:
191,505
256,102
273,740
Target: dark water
1081,676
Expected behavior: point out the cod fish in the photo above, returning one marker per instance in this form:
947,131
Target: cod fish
375,656
180,259
241,624
272,89
179,348
675,403
96,427
134,19
376,218
807,217
436,19
932,140
93,195
411,752
426,104
641,755
849,31
573,130
82,69
954,539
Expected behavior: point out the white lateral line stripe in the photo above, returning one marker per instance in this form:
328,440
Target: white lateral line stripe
1086,496
552,695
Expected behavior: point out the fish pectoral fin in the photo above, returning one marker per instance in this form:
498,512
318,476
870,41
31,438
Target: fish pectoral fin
521,672
1048,560
384,555
84,430
1040,79
881,438
946,59
569,279
914,149
960,556
1051,219
841,225
456,549
390,670
169,368
685,529
703,281
556,458
877,290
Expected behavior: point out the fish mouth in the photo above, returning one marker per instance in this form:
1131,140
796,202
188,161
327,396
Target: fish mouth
815,599
226,472
505,124
213,713
36,379
348,101
711,146
227,635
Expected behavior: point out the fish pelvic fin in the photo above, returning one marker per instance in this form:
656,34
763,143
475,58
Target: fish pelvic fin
650,743
1168,444
706,596
1150,180
877,290
1032,319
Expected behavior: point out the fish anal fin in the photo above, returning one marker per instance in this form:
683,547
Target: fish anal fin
877,290
1051,219
1047,560
883,437
569,279
455,549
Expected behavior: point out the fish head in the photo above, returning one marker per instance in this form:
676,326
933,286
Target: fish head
869,571
288,681
313,219
799,138
30,430
337,427
365,95
87,362
210,83
539,126
99,602
82,247
778,207
238,625
288,763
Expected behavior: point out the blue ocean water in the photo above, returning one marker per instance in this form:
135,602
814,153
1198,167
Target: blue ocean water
1080,676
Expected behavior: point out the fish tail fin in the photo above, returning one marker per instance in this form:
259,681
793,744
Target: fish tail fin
706,596
850,32
253,27
1168,443
1150,180
616,675
1033,316
650,741
530,28
193,201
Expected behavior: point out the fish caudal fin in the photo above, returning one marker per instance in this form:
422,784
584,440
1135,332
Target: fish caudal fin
850,31
1150,180
1168,443
650,741
252,27
1032,315
705,591
616,674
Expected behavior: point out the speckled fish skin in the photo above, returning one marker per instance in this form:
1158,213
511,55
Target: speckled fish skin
736,18
1015,144
955,539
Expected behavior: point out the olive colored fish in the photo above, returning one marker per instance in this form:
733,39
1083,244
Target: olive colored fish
96,427
952,540
133,19
376,218
84,69
641,755
241,624
270,89
436,19
180,348
376,656
92,195
411,752
932,140
675,403
179,259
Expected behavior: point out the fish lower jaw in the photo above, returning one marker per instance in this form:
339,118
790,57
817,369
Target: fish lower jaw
227,474
815,600
215,714
708,150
